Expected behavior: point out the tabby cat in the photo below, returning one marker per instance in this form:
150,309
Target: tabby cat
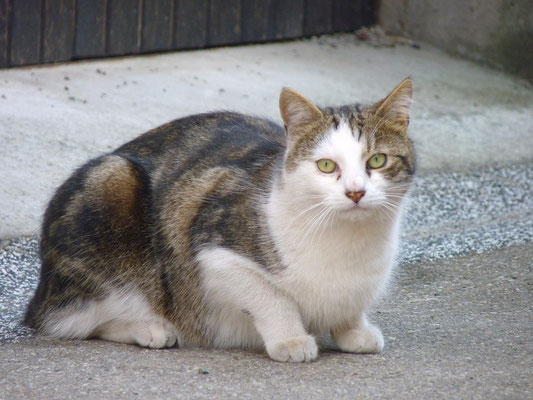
225,230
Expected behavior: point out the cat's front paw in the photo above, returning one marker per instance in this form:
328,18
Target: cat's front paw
294,349
367,339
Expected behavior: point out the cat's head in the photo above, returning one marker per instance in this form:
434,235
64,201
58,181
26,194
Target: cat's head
353,160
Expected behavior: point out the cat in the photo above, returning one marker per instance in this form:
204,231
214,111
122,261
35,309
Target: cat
225,230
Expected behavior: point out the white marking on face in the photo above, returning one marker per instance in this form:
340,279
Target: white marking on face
342,146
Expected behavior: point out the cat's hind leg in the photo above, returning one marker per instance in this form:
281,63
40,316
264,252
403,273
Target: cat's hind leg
123,316
155,334
96,275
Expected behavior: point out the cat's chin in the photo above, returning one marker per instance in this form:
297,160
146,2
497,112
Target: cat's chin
356,213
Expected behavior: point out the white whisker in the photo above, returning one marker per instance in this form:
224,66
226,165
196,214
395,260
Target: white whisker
317,224
324,224
302,233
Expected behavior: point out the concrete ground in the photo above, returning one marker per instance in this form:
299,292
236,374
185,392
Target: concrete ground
53,118
458,318
448,336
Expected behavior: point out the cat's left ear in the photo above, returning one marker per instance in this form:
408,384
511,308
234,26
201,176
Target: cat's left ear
297,112
396,106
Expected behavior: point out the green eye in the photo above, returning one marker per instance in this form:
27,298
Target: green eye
377,161
326,165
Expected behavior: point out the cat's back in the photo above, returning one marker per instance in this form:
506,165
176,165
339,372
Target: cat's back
206,140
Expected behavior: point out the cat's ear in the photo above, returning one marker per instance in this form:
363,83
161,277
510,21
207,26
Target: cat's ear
397,105
296,111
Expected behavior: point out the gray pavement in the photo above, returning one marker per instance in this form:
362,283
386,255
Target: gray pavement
455,329
458,317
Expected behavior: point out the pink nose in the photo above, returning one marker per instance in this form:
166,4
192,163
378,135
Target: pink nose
355,196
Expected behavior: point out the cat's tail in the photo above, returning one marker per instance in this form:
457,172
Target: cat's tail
33,317
30,317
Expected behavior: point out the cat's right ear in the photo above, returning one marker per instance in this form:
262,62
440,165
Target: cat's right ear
296,111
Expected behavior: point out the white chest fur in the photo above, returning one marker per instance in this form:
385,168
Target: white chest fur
335,274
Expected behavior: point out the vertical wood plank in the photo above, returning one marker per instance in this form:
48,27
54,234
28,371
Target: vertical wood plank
318,17
25,38
58,32
256,20
4,30
347,15
123,27
224,26
157,25
271,19
190,24
368,12
90,28
287,19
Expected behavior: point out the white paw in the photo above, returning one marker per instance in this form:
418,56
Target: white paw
156,334
362,340
294,349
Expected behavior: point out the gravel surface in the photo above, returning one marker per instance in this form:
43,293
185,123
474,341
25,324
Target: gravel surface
462,212
448,215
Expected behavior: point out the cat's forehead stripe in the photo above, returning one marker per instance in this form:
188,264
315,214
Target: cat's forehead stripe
350,122
350,114
336,122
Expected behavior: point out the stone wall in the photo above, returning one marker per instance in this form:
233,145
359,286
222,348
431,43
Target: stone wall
499,32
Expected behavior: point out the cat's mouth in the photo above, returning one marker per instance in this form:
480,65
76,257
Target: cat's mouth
355,213
356,208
